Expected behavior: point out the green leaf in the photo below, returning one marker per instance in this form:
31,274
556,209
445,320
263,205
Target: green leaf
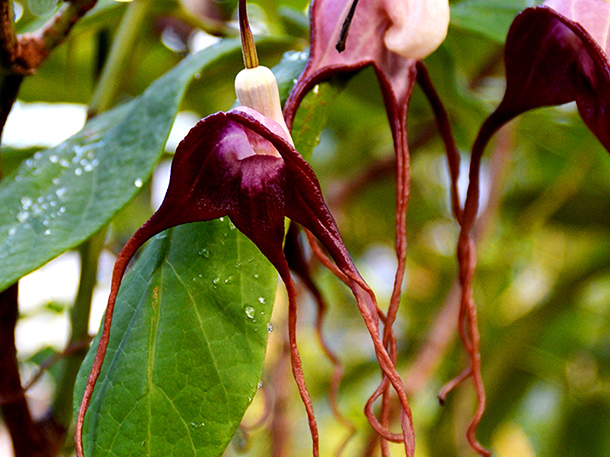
490,18
60,197
186,349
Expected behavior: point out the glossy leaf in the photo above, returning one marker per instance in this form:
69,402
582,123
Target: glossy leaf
63,195
186,348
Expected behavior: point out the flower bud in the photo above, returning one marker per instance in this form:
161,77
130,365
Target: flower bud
417,28
257,88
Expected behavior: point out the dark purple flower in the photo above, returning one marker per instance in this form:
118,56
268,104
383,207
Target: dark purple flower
555,53
242,164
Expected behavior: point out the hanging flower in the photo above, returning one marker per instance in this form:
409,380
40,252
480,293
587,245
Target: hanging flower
242,164
391,36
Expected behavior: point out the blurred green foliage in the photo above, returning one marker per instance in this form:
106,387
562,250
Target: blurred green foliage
543,279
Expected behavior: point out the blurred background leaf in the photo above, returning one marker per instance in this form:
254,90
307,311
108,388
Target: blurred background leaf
542,284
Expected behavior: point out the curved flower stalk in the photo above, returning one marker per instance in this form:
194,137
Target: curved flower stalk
392,37
555,53
295,257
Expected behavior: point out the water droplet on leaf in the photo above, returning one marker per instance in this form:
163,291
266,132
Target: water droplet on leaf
250,311
26,202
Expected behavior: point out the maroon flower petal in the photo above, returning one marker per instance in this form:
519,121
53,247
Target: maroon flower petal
555,54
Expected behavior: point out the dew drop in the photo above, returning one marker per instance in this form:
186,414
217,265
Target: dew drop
138,183
26,202
204,253
229,279
53,158
250,312
47,232
216,280
269,327
62,210
231,226
255,275
88,168
259,385
60,192
221,219
261,300
55,181
197,424
12,231
23,216
64,163
78,171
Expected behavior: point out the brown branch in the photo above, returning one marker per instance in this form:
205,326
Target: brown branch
30,438
8,39
22,55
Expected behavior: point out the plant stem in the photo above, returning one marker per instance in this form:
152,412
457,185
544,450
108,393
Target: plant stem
29,440
8,39
79,322
119,58
9,88
248,48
